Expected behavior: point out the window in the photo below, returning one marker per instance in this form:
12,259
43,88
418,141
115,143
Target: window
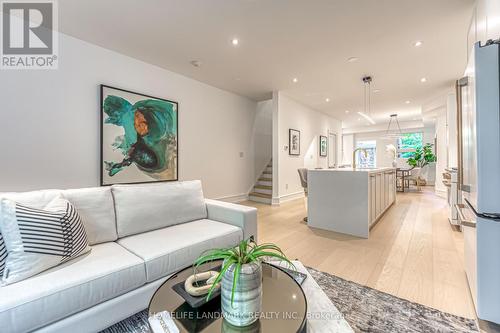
370,160
408,143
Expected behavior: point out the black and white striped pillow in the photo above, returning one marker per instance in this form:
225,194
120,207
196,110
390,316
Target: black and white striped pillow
40,239
3,255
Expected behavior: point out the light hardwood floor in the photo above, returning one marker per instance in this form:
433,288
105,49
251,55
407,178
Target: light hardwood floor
413,252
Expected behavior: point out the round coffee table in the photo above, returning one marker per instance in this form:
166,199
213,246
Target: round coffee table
284,306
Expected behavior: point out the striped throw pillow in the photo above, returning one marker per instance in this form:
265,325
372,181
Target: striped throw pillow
3,255
40,239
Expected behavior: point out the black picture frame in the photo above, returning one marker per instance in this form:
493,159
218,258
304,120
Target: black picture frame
291,150
102,87
321,139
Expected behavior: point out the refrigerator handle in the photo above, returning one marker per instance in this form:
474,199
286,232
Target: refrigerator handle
458,88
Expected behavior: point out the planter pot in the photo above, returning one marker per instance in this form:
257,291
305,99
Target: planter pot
247,300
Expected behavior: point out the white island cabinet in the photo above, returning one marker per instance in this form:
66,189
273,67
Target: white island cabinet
349,201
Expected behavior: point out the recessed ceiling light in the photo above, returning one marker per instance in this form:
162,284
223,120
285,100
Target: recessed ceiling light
418,43
347,111
295,80
327,100
235,41
407,102
423,80
352,59
359,119
376,90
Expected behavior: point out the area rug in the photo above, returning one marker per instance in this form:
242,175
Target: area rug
364,308
370,310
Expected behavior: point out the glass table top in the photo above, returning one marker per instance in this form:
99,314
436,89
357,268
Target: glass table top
284,307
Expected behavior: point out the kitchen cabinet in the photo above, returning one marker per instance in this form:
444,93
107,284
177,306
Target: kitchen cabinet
382,193
348,200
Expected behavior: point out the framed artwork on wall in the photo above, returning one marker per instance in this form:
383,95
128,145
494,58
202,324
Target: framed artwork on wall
323,146
293,142
139,138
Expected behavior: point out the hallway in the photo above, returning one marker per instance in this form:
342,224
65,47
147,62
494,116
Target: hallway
413,252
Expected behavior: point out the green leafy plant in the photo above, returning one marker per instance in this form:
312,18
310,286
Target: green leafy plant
422,156
246,252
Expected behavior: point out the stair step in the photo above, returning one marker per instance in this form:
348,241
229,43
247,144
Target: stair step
267,172
264,187
267,201
265,179
261,195
265,183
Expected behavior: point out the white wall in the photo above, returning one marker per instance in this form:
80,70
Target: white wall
347,148
442,152
50,122
263,134
311,124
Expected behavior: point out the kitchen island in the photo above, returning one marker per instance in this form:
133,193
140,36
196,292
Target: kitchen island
349,201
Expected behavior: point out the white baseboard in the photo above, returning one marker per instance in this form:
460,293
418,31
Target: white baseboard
234,198
288,197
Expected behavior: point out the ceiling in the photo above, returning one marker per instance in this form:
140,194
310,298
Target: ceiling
284,39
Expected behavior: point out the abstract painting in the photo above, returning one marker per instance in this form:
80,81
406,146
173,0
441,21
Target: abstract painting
323,146
293,142
139,138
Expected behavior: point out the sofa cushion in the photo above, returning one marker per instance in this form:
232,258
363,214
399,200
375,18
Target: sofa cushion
141,208
35,199
39,239
167,250
95,206
3,255
104,273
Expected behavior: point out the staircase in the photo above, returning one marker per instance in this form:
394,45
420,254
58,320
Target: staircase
263,189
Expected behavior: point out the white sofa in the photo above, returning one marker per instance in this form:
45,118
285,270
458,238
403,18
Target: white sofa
139,234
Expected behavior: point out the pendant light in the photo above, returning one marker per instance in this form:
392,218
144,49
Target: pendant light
396,133
367,114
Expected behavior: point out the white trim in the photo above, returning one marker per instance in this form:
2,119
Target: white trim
234,198
288,197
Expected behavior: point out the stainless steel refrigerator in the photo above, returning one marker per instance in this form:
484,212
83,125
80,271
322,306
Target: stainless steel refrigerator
479,176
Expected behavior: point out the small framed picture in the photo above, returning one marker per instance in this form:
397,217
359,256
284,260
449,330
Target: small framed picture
323,146
293,142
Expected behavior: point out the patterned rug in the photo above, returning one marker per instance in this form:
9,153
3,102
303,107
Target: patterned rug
370,310
364,308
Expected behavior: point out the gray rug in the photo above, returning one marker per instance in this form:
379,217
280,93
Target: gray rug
370,310
365,309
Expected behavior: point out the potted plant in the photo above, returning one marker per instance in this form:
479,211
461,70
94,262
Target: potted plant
422,156
241,278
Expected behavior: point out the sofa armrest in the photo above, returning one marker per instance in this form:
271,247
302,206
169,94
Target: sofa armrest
241,216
